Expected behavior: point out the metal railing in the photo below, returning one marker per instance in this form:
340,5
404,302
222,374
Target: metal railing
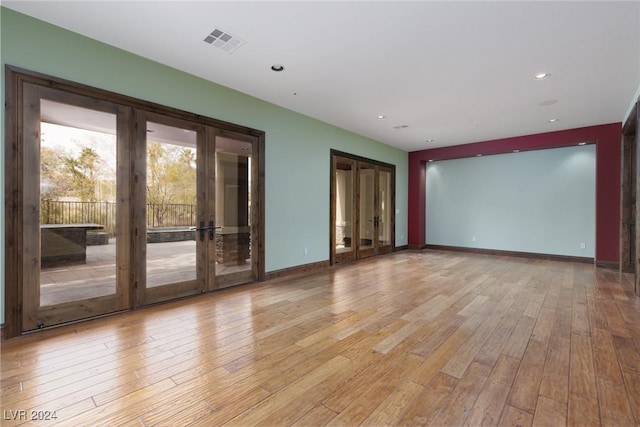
104,213
171,215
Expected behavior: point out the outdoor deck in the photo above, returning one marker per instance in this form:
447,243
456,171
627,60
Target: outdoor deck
168,262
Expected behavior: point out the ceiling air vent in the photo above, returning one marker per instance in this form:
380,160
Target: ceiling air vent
224,40
401,127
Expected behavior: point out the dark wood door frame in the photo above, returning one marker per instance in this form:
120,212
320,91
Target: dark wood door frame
356,161
629,194
15,80
628,199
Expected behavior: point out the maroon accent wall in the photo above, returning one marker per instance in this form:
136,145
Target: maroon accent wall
607,140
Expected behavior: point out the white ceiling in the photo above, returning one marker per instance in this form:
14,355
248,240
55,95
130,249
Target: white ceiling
453,71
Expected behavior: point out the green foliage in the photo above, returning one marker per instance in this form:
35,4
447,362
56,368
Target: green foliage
78,177
55,183
86,177
81,178
171,178
83,173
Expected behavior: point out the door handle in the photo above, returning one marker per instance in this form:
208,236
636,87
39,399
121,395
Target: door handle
210,228
201,229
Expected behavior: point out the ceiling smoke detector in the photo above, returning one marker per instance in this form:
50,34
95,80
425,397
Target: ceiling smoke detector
223,40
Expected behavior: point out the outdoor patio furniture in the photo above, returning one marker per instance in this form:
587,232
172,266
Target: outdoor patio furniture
64,244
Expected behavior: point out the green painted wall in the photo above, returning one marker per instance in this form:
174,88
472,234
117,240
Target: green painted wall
297,147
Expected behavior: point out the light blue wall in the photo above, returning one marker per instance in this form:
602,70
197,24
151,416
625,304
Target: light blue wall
536,201
297,147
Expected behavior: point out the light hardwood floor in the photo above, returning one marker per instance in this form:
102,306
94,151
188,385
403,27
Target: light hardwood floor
432,337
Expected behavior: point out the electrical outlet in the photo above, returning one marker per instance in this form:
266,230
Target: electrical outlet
473,238
306,251
583,245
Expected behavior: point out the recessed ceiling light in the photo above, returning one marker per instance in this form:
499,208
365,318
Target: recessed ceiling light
541,76
478,155
382,117
430,160
277,68
430,140
553,120
516,151
582,143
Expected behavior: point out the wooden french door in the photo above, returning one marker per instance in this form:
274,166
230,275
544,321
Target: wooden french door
194,205
114,203
173,216
75,153
362,208
373,201
234,208
183,225
343,210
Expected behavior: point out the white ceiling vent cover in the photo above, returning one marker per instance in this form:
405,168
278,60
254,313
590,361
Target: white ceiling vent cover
223,40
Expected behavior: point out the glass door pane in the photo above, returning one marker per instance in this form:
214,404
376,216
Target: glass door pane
384,215
343,204
175,238
234,258
366,196
72,219
171,204
77,203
